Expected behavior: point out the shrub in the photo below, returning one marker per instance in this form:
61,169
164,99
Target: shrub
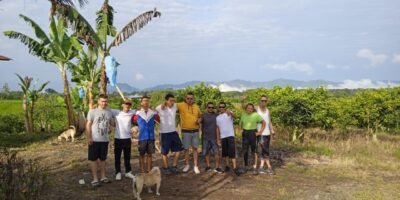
11,124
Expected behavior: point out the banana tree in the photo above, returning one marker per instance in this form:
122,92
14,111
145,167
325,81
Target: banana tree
104,28
58,48
29,99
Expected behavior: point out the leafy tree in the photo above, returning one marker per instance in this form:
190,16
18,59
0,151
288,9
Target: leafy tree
29,100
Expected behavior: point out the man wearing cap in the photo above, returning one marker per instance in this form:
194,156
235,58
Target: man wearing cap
122,141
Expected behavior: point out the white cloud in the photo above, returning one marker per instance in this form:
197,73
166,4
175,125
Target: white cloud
227,88
363,83
396,58
139,77
292,65
375,59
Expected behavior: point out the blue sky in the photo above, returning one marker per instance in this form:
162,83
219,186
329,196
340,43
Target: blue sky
222,40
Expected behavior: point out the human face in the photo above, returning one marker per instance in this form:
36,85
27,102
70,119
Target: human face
170,102
263,101
102,103
210,108
145,103
249,109
222,108
126,107
189,99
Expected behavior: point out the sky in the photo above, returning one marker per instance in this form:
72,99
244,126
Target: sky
222,40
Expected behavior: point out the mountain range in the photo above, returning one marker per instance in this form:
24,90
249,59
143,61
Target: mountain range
242,85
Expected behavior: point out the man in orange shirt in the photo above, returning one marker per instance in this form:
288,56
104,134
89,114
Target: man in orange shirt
189,115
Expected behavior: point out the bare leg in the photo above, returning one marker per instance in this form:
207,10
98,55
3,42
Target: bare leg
207,158
255,160
268,163
226,161
234,163
102,168
176,158
165,160
141,163
217,161
187,156
93,167
149,162
262,163
195,156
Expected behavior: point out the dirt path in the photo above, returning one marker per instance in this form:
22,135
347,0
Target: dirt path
67,164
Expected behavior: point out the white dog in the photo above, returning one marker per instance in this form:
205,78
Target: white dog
146,179
70,132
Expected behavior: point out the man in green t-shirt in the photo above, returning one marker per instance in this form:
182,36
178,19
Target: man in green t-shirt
248,123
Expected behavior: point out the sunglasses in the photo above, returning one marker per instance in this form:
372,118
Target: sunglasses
264,100
189,98
210,107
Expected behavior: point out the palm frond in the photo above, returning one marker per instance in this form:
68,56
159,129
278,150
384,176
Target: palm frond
104,22
82,28
40,34
42,86
132,27
35,47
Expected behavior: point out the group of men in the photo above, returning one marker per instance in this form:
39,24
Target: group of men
217,131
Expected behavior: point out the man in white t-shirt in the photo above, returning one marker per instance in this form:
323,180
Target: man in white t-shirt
226,138
265,138
169,137
122,141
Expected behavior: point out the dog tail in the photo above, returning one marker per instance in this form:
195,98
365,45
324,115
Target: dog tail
71,127
156,170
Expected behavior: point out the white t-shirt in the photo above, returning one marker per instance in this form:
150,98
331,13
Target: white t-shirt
266,117
123,123
167,118
225,125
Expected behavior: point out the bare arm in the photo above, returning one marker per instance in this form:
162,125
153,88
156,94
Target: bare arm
271,128
263,125
218,136
89,132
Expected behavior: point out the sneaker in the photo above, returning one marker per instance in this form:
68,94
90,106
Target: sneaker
173,169
207,169
218,170
270,172
129,175
227,169
118,176
196,170
166,171
237,172
255,171
262,171
186,168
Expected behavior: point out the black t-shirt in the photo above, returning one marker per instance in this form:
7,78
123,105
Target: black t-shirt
209,126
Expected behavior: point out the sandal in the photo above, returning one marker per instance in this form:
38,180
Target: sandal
95,183
105,180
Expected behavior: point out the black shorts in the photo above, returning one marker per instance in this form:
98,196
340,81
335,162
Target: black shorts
264,142
98,150
228,147
170,141
146,146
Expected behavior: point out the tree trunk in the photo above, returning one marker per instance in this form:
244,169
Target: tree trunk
103,78
31,115
90,95
26,115
67,97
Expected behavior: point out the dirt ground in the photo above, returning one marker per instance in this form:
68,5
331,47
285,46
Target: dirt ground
296,178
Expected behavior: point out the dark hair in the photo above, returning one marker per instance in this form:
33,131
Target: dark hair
103,96
263,96
190,93
222,103
168,96
249,104
144,97
210,103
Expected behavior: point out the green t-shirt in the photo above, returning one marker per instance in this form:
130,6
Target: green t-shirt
250,121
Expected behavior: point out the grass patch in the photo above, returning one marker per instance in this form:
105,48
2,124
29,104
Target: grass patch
22,139
318,149
396,154
10,107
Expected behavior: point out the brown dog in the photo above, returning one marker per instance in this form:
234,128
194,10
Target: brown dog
146,179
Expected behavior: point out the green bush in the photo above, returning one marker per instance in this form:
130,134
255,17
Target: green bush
11,123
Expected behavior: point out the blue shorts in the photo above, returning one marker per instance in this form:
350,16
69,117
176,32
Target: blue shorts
210,147
170,141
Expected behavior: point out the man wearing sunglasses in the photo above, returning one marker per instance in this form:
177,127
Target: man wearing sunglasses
209,137
190,114
265,138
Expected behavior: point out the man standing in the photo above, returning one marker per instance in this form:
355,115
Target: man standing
266,135
189,115
97,128
146,120
169,137
122,141
226,132
248,123
209,137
